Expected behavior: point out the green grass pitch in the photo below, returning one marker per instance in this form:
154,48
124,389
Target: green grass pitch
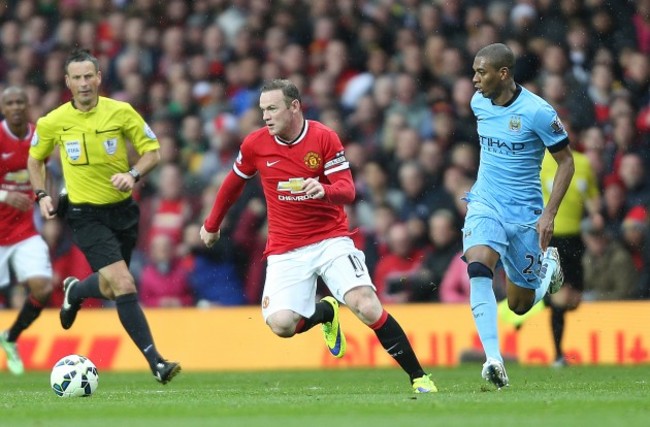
538,396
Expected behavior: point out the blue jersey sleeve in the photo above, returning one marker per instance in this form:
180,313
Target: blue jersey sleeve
549,128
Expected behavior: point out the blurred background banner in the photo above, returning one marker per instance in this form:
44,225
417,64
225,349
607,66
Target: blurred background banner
224,339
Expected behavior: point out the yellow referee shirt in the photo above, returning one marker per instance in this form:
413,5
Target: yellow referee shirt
93,146
584,186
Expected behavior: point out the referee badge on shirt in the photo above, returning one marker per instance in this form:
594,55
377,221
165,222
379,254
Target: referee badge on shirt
110,145
34,141
73,149
149,132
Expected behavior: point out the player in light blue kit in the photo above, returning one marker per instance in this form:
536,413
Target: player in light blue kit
506,220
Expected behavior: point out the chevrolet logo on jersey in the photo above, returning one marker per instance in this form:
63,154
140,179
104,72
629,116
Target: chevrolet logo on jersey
294,185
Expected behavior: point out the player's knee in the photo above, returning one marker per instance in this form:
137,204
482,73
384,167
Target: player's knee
124,284
518,308
478,269
364,303
520,305
282,325
41,290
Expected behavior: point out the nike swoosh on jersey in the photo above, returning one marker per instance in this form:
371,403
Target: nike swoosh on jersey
65,129
269,164
5,156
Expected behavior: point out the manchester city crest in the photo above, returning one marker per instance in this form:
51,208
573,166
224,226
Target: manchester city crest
515,123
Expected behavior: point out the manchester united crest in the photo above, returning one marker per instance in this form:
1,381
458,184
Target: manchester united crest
313,160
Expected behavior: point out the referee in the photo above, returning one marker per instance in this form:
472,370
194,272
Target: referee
91,132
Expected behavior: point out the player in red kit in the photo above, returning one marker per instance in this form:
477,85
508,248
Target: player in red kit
22,250
306,181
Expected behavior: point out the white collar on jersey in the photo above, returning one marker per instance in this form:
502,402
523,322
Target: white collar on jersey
299,138
8,131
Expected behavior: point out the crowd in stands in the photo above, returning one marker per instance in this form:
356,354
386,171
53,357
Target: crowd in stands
392,77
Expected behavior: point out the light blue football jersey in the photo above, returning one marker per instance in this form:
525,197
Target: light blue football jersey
513,138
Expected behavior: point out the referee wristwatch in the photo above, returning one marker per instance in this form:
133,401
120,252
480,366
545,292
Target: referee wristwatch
39,195
135,174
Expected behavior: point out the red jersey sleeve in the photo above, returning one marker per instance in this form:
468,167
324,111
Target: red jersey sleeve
341,190
228,193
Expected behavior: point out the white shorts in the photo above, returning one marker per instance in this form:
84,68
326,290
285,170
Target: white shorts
28,258
291,277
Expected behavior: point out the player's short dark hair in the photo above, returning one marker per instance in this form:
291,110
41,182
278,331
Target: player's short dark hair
498,55
289,90
14,89
80,55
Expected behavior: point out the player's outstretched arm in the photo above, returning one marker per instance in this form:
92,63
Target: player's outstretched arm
228,193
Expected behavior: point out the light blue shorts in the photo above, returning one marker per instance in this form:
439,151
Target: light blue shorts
516,244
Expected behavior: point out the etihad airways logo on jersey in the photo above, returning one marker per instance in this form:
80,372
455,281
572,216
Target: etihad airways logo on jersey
495,145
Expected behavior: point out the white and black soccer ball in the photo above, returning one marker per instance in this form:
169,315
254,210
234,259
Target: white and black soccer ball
74,376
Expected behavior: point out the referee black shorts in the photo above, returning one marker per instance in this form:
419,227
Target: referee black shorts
106,234
571,249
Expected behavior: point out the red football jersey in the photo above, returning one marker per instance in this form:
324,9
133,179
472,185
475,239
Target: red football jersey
295,219
15,225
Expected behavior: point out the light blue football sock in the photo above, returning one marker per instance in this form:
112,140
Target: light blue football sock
549,265
484,310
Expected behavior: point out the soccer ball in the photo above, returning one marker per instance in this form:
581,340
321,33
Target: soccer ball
74,376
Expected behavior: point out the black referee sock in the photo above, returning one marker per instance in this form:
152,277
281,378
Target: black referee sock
135,324
324,313
28,313
87,288
394,340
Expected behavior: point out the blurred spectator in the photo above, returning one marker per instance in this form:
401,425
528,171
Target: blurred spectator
635,229
614,209
420,201
410,102
250,237
213,278
364,124
444,234
633,174
600,91
164,279
641,21
608,267
393,273
465,128
636,72
168,211
592,144
223,133
432,160
373,190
